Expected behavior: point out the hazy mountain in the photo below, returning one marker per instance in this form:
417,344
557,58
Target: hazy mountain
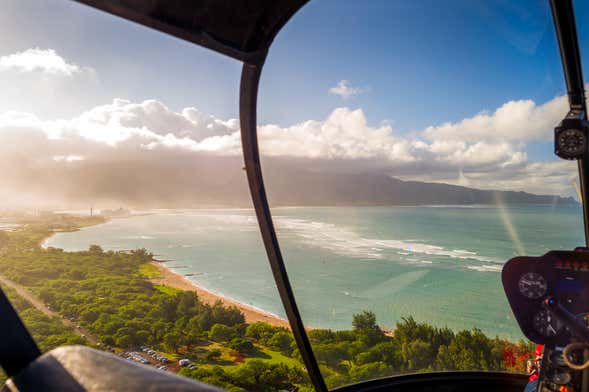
300,187
190,181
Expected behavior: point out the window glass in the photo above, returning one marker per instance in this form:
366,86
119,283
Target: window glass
123,194
407,150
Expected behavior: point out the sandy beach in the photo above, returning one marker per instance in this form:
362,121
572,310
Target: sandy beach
172,279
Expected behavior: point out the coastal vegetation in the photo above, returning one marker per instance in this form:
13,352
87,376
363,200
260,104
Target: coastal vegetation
110,294
48,332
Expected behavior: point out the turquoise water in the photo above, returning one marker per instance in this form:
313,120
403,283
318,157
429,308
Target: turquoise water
438,264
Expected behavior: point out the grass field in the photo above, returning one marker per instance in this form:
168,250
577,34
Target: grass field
149,271
167,289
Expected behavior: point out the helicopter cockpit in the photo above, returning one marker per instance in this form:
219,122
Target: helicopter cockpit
307,216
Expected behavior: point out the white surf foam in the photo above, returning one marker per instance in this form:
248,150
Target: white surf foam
346,242
485,268
139,237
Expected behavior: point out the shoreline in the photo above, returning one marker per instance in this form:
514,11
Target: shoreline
178,281
175,280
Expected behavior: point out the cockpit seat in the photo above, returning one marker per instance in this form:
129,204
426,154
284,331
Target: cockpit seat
78,368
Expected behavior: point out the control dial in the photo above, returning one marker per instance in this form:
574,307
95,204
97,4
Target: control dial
571,143
532,285
546,324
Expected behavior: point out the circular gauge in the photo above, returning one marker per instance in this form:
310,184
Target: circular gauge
545,324
532,285
559,377
571,142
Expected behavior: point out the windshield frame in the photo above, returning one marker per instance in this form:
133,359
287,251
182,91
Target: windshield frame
253,59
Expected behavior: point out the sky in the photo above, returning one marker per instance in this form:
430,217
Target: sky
462,92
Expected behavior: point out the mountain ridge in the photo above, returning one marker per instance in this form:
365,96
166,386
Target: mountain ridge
383,189
194,182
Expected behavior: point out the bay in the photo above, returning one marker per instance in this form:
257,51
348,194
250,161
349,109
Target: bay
437,264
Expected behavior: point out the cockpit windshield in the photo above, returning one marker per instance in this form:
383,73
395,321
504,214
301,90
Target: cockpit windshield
407,151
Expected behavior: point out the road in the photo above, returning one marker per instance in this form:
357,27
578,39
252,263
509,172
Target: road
39,305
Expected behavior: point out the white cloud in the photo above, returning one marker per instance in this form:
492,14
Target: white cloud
522,120
345,134
35,59
344,90
148,125
485,151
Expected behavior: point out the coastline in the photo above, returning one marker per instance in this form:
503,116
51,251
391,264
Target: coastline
178,281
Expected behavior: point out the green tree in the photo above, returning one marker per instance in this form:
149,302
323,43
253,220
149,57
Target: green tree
331,354
365,321
369,371
96,249
213,355
143,255
386,352
418,354
261,331
187,303
281,341
171,341
261,376
124,341
365,326
244,346
227,315
221,333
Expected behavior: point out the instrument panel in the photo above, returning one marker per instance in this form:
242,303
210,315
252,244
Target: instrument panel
563,275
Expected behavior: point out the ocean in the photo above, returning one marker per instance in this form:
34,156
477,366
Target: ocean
440,265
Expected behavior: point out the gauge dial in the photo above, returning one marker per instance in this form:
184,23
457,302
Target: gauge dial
532,285
571,142
545,324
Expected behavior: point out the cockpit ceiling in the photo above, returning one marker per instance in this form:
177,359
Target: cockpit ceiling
242,29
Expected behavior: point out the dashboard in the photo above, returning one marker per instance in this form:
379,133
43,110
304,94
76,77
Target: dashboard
528,281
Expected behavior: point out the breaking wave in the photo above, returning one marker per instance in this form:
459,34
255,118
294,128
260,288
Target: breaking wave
485,268
346,242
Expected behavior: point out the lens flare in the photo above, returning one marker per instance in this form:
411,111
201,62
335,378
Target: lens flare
508,224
